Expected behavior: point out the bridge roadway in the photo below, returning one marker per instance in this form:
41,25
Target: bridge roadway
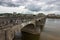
8,32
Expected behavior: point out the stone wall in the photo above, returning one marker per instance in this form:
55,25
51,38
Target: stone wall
2,35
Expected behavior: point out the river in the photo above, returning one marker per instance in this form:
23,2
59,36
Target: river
51,30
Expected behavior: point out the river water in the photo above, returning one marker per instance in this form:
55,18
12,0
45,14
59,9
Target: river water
51,30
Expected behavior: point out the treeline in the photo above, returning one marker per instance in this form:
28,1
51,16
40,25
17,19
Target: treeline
14,14
10,14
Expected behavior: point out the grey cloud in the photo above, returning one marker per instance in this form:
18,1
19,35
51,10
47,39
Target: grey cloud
48,9
33,7
57,8
45,0
9,3
54,2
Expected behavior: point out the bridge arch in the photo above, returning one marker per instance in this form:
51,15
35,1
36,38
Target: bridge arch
28,26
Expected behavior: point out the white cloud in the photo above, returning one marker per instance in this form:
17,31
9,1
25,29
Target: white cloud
12,9
30,6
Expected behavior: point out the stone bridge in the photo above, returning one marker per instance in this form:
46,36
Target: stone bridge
11,27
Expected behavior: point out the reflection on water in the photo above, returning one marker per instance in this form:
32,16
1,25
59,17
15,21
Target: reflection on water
51,30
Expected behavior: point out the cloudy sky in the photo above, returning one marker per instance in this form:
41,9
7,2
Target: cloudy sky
30,6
